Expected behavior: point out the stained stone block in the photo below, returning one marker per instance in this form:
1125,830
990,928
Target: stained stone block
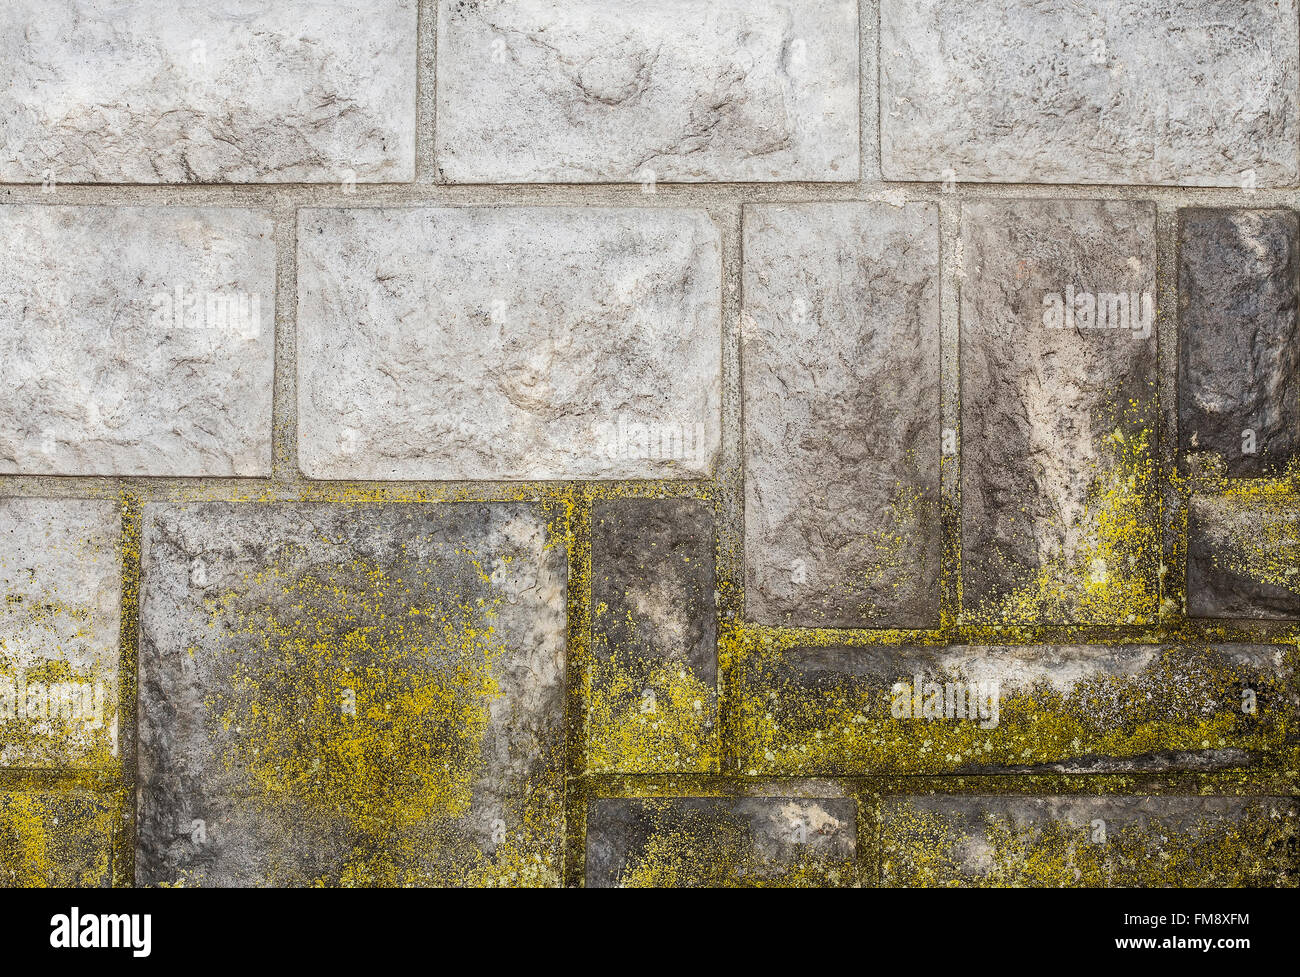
840,336
1186,93
508,343
719,842
653,692
1239,338
136,341
60,624
198,92
60,839
1243,554
846,711
1058,355
1090,842
351,695
593,91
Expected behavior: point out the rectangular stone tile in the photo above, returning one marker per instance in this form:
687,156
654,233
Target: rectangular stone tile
351,695
840,334
1239,338
1243,554
589,91
1187,93
845,711
653,697
198,92
136,341
60,633
508,343
1090,842
57,839
1058,393
718,842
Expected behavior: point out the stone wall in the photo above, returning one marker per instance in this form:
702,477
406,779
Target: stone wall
742,442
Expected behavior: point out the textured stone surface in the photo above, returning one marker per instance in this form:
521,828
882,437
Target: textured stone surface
508,343
746,842
840,337
813,711
1239,337
60,621
1106,842
1058,412
1243,555
57,839
654,637
596,91
439,626
197,92
1189,93
136,341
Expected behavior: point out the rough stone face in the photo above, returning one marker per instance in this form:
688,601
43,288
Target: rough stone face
846,711
840,337
1106,842
591,91
136,341
508,343
721,842
1239,337
1243,555
654,637
197,92
60,623
60,839
1188,93
368,695
1058,354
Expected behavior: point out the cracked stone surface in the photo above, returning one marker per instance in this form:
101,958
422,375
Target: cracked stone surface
1058,357
1239,338
590,91
57,839
750,841
840,360
136,341
1107,842
197,92
60,622
508,343
1242,557
1186,93
359,695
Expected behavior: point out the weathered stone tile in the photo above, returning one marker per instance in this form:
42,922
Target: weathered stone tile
355,695
814,711
586,91
196,92
1090,842
508,343
721,842
840,337
1239,338
1243,553
60,632
1058,355
136,341
1187,93
654,702
58,839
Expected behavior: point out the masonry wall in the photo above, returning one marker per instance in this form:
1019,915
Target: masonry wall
754,442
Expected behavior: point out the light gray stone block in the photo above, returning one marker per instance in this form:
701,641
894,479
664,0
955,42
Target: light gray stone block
136,341
594,91
508,343
1186,93
840,336
197,92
